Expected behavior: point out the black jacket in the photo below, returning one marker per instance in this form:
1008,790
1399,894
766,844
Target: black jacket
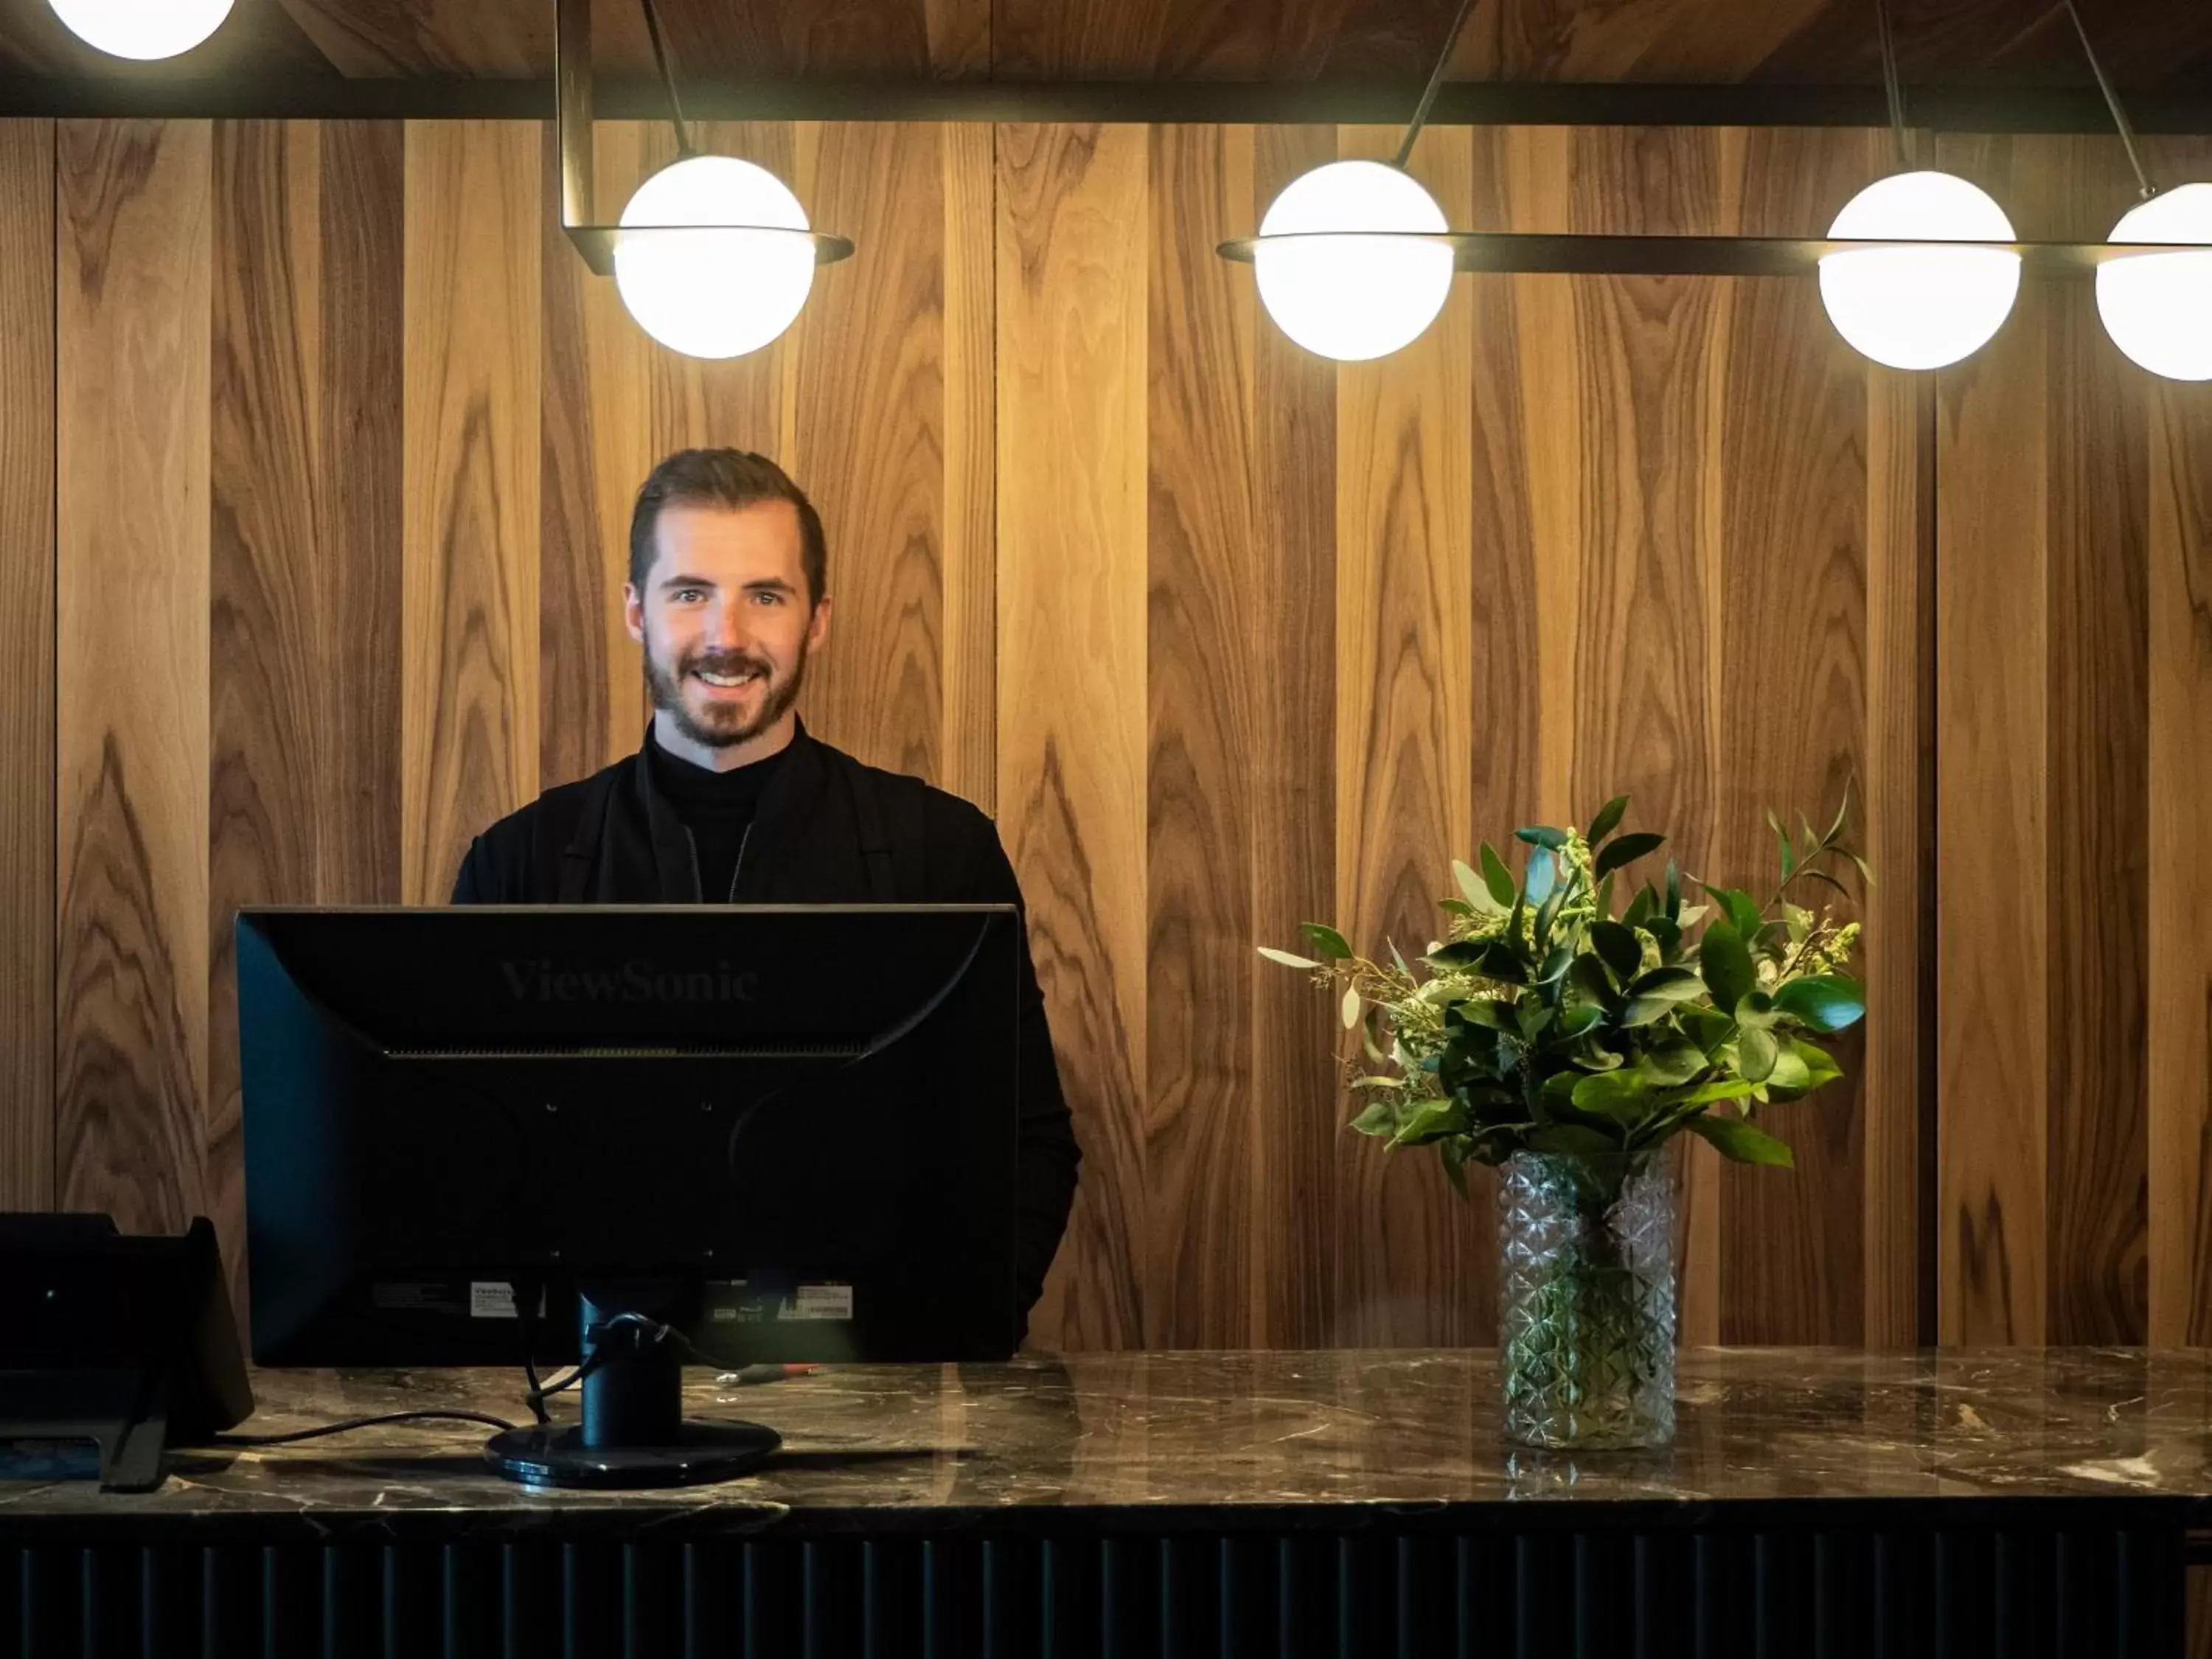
828,830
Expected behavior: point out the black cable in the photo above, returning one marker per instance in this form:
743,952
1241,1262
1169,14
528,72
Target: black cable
353,1423
2144,186
1435,80
1890,84
675,105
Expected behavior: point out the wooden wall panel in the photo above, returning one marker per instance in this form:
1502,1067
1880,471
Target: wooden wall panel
1296,1107
470,691
1416,1263
26,665
1071,780
596,446
131,659
1202,1290
303,691
1795,695
969,663
867,438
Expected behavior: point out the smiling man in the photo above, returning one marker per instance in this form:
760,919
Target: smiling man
730,800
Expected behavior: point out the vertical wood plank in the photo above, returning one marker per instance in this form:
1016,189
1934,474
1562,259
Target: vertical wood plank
868,426
1900,773
1992,692
596,446
26,665
1791,719
470,706
1199,1288
1071,423
969,665
1297,1102
132,680
2179,980
303,672
1418,1263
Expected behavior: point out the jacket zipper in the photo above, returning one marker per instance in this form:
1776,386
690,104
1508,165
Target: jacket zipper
743,840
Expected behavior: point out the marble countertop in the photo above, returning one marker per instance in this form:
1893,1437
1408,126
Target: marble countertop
1290,1434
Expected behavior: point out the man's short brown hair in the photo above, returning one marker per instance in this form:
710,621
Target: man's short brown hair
732,478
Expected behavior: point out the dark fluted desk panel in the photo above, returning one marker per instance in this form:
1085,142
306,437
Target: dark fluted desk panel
1817,1503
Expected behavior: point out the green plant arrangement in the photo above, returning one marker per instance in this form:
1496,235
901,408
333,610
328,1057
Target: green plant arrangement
1566,1043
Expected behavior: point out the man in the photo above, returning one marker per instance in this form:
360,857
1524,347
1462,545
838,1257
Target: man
730,800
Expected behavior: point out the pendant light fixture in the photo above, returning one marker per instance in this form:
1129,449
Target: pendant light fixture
713,256
1352,259
2157,308
143,29
1925,300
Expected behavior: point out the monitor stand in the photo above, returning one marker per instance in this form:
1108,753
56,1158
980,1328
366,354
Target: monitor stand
634,1433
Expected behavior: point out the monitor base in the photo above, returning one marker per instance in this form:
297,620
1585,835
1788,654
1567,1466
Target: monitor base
701,1453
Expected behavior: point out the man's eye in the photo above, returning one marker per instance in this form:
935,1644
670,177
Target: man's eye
769,598
685,594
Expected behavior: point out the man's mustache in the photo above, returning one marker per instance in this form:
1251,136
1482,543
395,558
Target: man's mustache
728,664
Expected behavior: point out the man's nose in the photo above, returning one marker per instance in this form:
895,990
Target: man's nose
731,630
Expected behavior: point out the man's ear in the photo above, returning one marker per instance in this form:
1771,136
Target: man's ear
634,612
817,625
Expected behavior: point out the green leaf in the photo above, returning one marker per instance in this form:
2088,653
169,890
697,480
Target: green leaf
1725,962
1430,1119
1459,953
1624,1096
1640,907
1827,880
1572,1141
1532,1016
1580,1020
1469,882
1756,1010
1740,908
1788,858
1587,976
1866,871
1756,1052
1607,819
1674,892
1479,1010
1605,897
1286,958
1542,834
1546,914
1556,965
1327,940
1627,850
1790,1077
1666,934
1455,907
1379,1119
1453,1153
1543,872
1842,812
1495,877
1708,1028
1350,1009
1657,992
1820,1067
1720,1089
1619,948
1827,1002
1671,1064
1740,1143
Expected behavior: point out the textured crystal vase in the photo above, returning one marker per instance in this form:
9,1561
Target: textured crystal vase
1586,1303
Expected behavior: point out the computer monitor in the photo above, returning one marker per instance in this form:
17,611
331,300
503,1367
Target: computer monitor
786,1133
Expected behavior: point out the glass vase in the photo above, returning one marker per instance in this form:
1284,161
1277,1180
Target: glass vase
1586,1303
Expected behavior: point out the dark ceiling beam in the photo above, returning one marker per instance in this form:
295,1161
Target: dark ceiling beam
1947,109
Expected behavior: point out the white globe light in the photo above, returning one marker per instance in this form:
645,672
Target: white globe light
714,293
1352,296
1920,307
142,28
2158,306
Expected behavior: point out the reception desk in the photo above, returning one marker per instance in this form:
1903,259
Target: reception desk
1816,1502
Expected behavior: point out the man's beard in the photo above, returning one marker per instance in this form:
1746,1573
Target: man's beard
726,726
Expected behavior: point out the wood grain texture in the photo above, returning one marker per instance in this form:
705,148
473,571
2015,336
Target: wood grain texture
1416,1263
1298,1109
2178,1017
303,691
1792,707
26,665
1898,792
131,669
1071,515
867,422
597,449
1992,637
970,660
1200,1117
470,689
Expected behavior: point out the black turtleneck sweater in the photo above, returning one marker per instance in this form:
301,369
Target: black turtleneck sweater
716,809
